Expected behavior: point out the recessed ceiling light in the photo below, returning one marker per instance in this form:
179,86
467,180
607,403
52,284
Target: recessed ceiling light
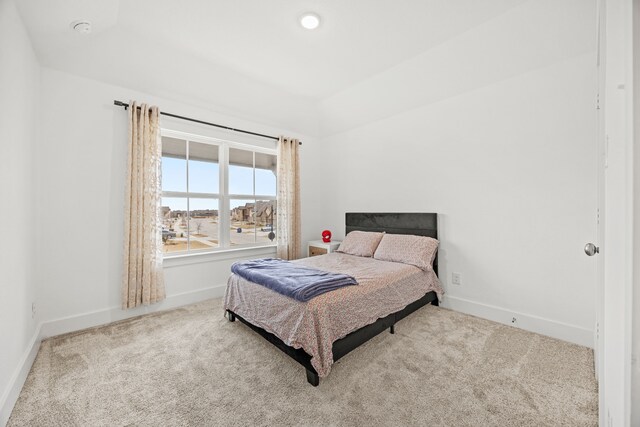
310,21
82,27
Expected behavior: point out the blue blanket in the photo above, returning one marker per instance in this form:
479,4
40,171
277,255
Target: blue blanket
290,279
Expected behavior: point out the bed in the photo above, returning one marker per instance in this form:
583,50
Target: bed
319,332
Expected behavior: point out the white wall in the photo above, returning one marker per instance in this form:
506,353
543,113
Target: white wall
19,84
501,142
80,174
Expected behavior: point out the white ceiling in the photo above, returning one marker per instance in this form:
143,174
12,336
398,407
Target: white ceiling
256,39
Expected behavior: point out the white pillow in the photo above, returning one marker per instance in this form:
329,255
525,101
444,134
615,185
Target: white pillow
407,249
360,243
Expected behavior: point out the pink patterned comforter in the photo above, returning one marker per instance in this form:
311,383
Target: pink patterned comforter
383,288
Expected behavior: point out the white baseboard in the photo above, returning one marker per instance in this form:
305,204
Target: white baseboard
102,317
88,320
11,393
528,322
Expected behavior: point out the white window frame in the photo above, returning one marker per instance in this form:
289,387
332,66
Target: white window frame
223,196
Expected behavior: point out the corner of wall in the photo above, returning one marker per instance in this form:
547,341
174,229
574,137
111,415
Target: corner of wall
20,77
17,380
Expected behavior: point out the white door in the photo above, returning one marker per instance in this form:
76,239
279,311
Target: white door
615,263
601,211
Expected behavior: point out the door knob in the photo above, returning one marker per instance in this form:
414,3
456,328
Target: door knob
590,249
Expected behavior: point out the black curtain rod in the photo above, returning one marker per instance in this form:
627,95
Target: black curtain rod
125,105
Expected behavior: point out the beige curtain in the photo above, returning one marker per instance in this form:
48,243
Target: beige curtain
143,281
288,210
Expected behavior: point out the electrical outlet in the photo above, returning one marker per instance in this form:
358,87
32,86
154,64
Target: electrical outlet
33,310
456,278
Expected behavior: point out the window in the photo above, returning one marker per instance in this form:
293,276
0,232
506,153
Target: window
216,194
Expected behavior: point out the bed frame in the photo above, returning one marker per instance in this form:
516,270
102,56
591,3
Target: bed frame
420,224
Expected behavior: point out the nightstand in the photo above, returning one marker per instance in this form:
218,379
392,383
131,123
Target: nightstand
318,247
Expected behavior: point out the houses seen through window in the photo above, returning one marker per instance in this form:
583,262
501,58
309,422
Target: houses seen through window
199,213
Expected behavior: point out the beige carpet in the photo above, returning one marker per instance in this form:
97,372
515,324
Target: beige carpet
191,366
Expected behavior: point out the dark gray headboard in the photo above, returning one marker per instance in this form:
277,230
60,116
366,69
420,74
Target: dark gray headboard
416,223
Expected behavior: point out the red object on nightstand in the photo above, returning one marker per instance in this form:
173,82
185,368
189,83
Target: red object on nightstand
326,236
